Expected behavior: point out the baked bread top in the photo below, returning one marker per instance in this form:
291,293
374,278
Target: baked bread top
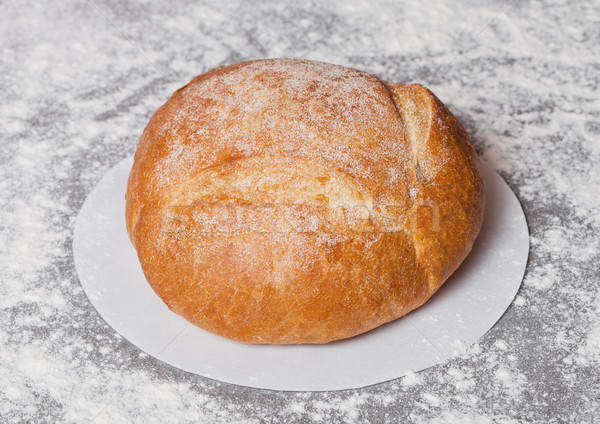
292,201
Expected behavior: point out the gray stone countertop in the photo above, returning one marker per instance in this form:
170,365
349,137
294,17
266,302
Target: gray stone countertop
80,79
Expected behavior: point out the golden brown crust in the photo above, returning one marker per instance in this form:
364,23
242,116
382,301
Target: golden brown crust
290,201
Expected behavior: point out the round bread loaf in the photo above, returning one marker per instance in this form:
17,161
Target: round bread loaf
290,201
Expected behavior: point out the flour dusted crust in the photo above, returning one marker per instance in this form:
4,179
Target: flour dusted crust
290,201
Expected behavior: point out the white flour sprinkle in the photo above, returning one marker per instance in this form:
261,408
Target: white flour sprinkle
523,79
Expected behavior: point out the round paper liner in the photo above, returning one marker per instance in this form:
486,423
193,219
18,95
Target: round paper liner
461,312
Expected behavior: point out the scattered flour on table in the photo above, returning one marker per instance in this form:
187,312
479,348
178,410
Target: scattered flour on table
76,96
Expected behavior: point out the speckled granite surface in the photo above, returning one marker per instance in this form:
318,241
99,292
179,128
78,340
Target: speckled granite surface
79,80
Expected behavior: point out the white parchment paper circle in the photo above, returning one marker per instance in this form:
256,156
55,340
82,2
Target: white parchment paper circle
462,311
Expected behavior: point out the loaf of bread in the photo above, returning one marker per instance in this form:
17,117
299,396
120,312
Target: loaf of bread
289,201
